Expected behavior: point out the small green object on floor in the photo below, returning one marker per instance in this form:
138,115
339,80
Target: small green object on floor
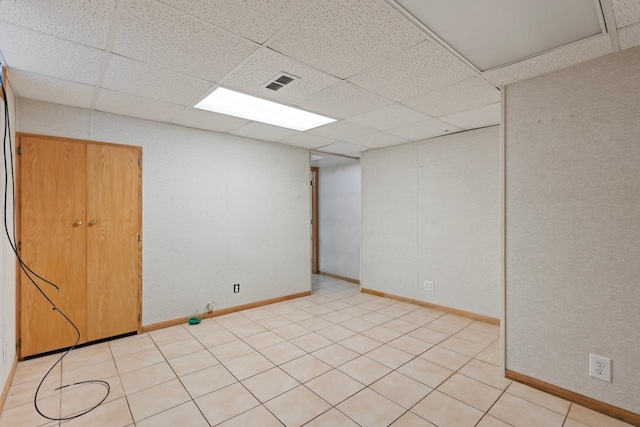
194,320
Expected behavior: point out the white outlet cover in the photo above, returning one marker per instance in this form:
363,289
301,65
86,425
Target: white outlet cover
600,367
428,285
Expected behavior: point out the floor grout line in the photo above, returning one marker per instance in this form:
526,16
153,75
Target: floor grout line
342,300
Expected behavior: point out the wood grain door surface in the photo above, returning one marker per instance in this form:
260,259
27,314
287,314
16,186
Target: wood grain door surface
113,254
80,226
53,182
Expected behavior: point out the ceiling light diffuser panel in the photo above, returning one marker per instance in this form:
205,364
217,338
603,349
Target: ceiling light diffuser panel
493,33
249,107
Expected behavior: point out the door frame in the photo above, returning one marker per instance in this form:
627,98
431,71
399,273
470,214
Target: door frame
18,212
315,254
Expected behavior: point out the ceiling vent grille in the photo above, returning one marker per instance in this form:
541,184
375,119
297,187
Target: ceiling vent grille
285,80
280,81
274,86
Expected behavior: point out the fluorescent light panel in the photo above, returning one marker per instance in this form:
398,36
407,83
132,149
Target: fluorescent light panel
492,33
232,103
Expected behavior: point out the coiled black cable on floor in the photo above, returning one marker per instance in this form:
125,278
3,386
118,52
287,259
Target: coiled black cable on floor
31,275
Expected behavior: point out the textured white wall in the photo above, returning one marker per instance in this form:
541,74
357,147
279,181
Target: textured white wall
390,220
573,226
7,268
217,209
431,211
340,220
459,220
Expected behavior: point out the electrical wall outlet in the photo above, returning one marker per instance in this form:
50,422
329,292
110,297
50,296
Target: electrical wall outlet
600,367
236,288
428,285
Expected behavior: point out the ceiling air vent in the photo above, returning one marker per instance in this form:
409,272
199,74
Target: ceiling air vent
280,81
274,86
285,80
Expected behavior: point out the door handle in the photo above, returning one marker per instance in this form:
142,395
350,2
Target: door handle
92,222
77,223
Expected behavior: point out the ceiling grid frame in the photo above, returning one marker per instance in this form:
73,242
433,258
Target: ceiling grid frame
436,39
246,60
541,63
113,31
610,23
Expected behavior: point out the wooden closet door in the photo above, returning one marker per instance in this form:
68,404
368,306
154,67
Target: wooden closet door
53,235
113,249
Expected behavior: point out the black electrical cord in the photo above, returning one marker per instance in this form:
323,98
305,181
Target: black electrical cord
8,146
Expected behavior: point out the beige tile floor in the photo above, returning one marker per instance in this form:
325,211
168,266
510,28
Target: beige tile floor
336,358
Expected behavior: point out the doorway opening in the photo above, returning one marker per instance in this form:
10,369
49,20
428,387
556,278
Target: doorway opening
335,216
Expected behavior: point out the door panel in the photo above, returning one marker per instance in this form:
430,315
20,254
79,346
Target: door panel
53,182
113,249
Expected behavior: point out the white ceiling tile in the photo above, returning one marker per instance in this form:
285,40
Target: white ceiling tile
343,100
358,154
342,130
202,119
422,68
476,118
135,106
255,20
38,53
83,21
390,117
50,89
160,35
629,36
264,65
425,129
343,37
550,61
263,131
377,140
460,96
343,148
307,140
627,12
137,78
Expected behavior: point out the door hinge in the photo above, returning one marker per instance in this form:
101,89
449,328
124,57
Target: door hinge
139,161
139,317
19,246
19,344
20,150
311,183
139,238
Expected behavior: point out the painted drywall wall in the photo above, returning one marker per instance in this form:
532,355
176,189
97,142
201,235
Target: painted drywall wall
217,209
339,222
7,266
573,227
431,211
459,221
390,220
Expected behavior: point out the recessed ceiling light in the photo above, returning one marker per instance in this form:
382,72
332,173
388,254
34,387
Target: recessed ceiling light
493,33
249,107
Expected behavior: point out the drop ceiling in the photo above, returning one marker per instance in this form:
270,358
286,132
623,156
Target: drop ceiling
388,71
